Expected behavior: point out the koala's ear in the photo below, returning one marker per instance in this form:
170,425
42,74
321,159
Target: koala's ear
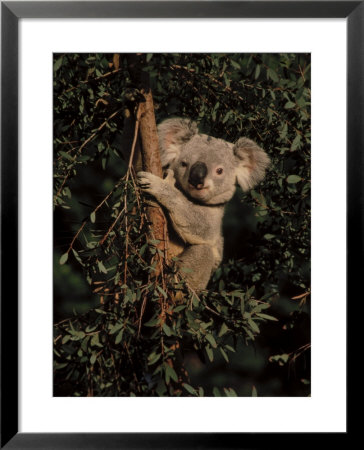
252,162
172,134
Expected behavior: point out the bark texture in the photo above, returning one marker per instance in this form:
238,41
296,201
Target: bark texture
149,145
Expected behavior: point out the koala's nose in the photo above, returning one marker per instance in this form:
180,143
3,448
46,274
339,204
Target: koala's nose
197,175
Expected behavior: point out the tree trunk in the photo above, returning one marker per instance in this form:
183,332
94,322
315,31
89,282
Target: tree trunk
149,137
149,147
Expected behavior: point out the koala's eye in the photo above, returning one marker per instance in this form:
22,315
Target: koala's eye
219,170
183,164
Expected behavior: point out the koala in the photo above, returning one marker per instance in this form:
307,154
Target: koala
201,174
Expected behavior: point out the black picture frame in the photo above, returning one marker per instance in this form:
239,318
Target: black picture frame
11,12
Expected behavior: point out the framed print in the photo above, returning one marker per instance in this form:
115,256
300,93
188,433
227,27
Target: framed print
171,278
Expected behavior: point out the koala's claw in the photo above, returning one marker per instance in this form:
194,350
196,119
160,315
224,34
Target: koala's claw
143,180
149,182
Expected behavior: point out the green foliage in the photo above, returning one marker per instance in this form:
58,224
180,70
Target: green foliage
133,343
105,352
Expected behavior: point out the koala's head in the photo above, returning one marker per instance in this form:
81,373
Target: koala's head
206,168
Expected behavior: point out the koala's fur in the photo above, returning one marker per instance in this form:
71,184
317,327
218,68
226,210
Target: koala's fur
196,210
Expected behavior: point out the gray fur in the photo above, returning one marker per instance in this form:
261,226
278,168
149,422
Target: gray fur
196,214
172,134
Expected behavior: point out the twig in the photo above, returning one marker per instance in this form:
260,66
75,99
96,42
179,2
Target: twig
298,352
89,139
76,236
90,80
112,226
298,297
94,211
137,122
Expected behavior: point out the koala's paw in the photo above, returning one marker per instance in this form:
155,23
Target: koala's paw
149,183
